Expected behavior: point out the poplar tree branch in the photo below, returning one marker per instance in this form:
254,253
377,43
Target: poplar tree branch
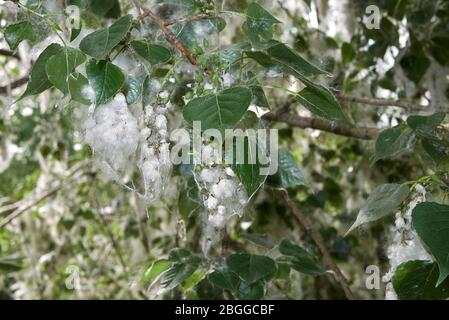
200,16
167,32
320,243
15,84
323,125
7,53
381,102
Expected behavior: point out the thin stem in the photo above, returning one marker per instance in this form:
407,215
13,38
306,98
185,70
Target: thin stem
319,241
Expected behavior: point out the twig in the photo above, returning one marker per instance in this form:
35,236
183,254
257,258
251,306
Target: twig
22,209
323,125
319,241
168,33
7,53
15,84
381,102
199,16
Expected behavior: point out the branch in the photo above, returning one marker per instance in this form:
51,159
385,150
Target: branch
7,53
15,84
319,241
199,16
381,102
323,125
22,209
168,34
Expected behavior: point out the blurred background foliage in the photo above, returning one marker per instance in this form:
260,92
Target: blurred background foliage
95,227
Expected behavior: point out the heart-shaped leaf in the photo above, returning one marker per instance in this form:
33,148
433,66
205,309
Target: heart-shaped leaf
288,174
61,65
301,260
218,111
225,279
250,267
16,33
153,53
38,80
259,24
105,78
100,43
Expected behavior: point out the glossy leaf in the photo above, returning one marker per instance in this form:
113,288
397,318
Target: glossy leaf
431,221
157,267
225,279
100,43
258,25
15,33
300,259
417,280
218,111
251,268
288,174
105,79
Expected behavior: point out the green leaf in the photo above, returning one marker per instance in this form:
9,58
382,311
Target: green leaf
157,267
253,291
190,32
258,25
320,101
153,53
61,65
105,79
280,56
435,152
77,83
425,125
194,279
225,279
417,280
431,221
293,63
381,202
183,265
250,170
288,174
218,111
394,142
133,90
301,260
38,80
100,43
251,268
105,8
16,33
